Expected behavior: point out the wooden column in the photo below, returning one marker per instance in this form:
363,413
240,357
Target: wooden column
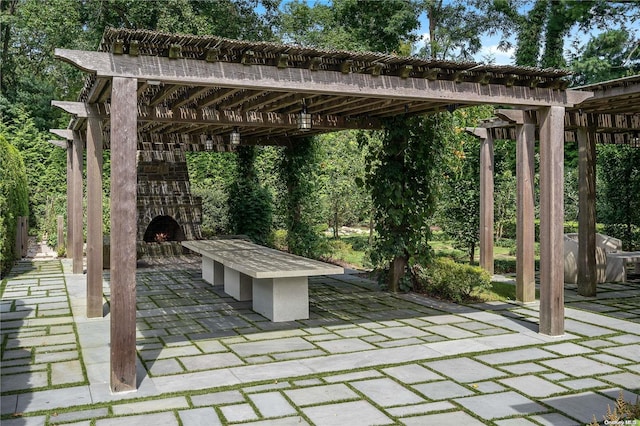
525,226
123,234
77,207
69,241
94,218
587,272
525,127
486,202
551,220
60,232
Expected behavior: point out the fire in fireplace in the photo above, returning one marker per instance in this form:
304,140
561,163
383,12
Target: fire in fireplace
162,229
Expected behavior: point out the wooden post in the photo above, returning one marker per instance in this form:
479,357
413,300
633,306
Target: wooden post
60,232
69,241
486,202
123,234
525,224
94,218
587,273
551,220
76,213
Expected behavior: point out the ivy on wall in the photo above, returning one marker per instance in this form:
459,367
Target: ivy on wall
301,203
250,205
403,180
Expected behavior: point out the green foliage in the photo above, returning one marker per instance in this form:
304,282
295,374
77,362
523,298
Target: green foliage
13,200
459,210
618,175
453,281
215,208
250,204
609,55
299,174
403,182
344,201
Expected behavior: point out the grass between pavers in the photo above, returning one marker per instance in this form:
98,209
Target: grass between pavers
267,384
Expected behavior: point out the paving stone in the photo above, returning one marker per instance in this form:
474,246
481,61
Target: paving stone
554,376
24,381
217,398
386,393
149,406
272,404
8,404
488,387
206,416
515,422
263,347
452,418
568,348
79,415
402,342
412,373
53,399
66,372
357,413
238,412
157,419
626,339
298,354
402,332
210,346
585,329
165,366
586,383
582,406
497,405
320,394
553,419
26,421
597,343
428,407
210,361
626,380
578,366
609,359
269,386
631,352
56,356
450,332
354,332
285,421
464,370
345,345
358,375
533,386
442,390
520,355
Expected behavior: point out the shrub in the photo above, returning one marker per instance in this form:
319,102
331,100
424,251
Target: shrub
13,200
453,281
630,235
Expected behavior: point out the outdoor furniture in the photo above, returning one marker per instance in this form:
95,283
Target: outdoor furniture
611,261
276,282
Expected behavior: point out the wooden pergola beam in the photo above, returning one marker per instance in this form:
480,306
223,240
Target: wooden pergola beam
186,71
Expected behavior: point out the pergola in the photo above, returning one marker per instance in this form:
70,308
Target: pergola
611,116
152,91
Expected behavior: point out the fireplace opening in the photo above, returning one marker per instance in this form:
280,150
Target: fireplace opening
163,229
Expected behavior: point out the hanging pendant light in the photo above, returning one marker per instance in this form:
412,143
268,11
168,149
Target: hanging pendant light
234,136
304,118
208,143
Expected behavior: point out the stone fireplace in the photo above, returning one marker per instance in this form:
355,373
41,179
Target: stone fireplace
167,212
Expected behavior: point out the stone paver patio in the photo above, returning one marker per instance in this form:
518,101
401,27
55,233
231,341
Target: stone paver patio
364,357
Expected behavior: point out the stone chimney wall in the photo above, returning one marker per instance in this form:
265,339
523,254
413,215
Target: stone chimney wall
164,190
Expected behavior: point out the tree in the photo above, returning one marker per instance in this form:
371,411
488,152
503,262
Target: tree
611,54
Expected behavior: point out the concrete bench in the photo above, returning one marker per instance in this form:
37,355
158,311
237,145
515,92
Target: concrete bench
275,282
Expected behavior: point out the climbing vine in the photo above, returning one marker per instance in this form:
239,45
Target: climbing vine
402,178
301,202
250,205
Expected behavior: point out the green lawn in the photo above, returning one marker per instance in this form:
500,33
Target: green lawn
352,250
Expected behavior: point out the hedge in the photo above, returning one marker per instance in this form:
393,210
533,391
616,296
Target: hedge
14,201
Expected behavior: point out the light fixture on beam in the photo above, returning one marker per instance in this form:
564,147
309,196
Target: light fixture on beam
208,144
304,118
234,136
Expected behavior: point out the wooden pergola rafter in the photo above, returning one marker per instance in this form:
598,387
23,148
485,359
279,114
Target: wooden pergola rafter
152,91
